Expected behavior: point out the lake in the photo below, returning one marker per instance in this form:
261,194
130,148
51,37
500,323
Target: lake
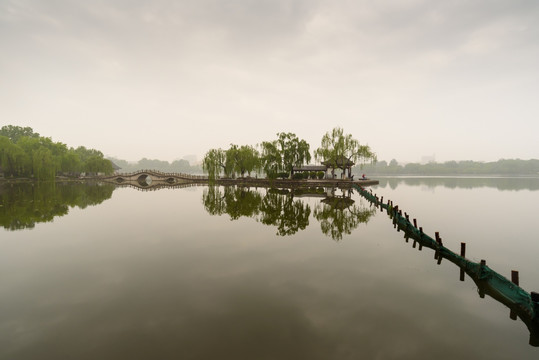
94,271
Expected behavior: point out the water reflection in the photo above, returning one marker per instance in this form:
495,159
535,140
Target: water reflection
24,205
285,209
340,215
523,183
522,304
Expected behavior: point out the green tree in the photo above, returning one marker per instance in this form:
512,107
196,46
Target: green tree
14,133
338,148
284,153
241,160
11,157
214,162
271,159
96,164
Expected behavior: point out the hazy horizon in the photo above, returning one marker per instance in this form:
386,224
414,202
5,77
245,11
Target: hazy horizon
165,79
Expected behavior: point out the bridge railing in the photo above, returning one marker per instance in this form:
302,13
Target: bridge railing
162,174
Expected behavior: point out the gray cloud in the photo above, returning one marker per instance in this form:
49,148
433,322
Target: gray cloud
166,78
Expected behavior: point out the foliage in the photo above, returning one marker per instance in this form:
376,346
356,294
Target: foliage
214,161
282,211
241,160
336,146
24,153
236,160
283,175
24,205
339,215
501,167
176,166
284,153
14,133
271,159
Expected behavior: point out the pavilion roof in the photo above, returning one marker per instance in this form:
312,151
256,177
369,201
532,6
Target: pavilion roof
342,161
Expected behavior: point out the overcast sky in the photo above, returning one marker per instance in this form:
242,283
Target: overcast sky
167,78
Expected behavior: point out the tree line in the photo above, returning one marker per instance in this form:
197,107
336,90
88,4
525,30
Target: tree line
177,166
278,157
24,153
468,167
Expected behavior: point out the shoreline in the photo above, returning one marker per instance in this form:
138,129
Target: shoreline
264,182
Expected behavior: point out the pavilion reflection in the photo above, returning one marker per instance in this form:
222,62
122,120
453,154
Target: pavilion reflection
286,209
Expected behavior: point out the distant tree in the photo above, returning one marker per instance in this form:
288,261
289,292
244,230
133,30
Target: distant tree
181,166
154,164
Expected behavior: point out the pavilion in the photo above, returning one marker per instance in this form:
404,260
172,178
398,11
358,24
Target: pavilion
342,163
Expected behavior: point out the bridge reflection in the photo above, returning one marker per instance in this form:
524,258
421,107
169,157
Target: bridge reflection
154,180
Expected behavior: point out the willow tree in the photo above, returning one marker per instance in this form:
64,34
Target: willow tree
11,157
214,161
284,153
241,160
338,150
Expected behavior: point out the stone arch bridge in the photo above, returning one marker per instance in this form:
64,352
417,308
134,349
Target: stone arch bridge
154,179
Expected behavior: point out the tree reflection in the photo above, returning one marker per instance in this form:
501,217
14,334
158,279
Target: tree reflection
24,205
283,209
340,215
234,201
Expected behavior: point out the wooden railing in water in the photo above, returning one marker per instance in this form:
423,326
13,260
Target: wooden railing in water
521,303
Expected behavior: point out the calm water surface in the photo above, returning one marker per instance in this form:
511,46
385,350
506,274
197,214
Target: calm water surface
97,272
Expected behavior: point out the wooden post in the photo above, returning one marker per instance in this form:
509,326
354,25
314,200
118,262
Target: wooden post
461,274
514,277
415,242
512,314
481,293
438,239
483,262
463,249
415,223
